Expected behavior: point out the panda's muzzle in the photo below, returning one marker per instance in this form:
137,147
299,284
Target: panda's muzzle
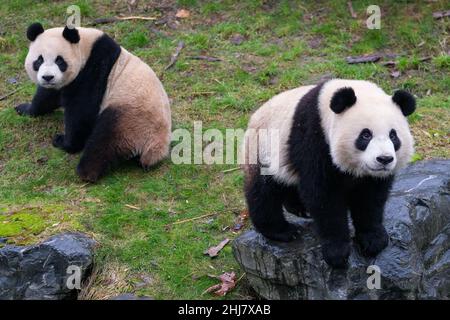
48,78
385,160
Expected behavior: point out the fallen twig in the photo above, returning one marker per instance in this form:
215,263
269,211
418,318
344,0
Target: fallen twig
132,207
10,94
115,19
350,8
363,59
175,55
425,58
441,14
231,170
210,59
192,219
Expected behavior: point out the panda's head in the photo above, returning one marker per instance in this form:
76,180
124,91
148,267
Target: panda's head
366,129
54,58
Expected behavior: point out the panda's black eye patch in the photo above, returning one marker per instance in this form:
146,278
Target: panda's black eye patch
37,63
61,63
395,139
363,139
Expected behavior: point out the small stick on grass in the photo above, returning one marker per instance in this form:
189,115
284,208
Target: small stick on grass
10,94
209,59
191,219
175,55
231,170
115,19
350,8
132,207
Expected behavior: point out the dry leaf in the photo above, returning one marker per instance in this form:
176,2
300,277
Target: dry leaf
395,74
182,13
214,251
228,282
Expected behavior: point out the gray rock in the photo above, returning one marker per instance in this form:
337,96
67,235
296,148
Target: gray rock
41,271
415,265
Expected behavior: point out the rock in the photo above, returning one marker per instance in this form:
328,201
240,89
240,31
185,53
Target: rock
130,296
415,265
41,271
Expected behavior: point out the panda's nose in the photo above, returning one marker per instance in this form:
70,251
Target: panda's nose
48,78
384,160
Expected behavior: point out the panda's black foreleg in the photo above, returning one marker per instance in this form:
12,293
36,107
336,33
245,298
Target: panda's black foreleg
264,200
102,149
367,206
44,101
331,221
77,129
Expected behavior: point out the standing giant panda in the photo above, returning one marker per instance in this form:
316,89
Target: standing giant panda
114,104
340,144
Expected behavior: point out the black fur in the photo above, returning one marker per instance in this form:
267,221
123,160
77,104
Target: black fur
363,139
342,99
44,101
61,63
100,151
37,63
395,139
405,101
81,99
265,199
326,193
34,30
71,35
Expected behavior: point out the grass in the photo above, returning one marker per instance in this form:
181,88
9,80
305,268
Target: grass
131,213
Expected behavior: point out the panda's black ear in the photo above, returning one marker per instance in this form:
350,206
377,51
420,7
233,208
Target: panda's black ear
405,101
34,30
342,99
71,35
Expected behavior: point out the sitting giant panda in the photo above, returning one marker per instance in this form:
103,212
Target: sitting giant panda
340,144
114,104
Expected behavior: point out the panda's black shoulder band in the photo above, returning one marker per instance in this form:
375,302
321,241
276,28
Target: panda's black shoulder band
34,30
405,101
71,35
342,99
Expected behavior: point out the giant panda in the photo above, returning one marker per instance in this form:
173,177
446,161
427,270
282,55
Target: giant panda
114,105
340,142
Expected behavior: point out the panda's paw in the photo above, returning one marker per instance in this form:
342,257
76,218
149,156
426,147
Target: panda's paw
373,242
87,173
58,141
336,253
288,233
23,109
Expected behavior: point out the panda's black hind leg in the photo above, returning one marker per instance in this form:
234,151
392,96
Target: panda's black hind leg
292,202
265,199
101,150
